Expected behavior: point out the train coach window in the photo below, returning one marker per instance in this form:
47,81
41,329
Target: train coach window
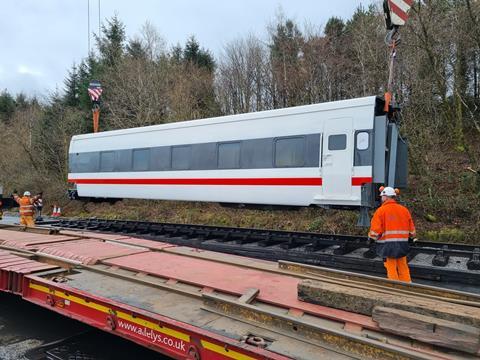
204,156
337,142
363,155
181,157
84,162
141,159
362,140
160,158
229,156
256,154
107,161
290,152
123,160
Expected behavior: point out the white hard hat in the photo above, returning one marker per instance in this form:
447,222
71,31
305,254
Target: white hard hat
388,191
27,193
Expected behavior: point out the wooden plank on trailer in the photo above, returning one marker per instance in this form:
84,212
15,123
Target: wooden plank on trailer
363,301
428,329
362,280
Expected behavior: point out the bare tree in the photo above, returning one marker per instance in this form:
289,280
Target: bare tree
243,76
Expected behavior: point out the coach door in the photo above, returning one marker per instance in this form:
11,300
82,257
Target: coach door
337,159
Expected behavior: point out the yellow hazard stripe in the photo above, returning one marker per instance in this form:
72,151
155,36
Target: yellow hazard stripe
72,298
221,350
119,314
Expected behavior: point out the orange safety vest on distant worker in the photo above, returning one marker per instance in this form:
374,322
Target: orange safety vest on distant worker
26,206
391,227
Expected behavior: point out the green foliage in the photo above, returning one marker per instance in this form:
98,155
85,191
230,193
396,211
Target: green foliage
450,235
286,41
334,28
22,101
135,49
286,50
431,218
176,54
7,105
315,225
72,87
361,16
193,54
111,42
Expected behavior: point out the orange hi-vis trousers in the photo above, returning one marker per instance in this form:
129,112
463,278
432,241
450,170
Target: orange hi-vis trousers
27,221
397,269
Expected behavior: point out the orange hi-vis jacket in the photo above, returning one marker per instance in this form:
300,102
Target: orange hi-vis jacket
26,206
391,227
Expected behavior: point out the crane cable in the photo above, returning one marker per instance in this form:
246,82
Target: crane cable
392,40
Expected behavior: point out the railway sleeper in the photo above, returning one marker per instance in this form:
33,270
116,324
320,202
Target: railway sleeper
440,258
474,262
371,253
344,248
316,246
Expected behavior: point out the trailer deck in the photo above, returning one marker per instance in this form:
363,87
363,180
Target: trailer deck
196,304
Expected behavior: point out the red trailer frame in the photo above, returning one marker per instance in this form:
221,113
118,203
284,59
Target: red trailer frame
167,336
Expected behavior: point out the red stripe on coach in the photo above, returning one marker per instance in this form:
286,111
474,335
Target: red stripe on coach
208,181
358,181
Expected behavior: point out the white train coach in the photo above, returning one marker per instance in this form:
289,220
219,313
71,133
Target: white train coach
329,154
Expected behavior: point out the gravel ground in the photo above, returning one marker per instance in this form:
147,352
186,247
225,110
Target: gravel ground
25,326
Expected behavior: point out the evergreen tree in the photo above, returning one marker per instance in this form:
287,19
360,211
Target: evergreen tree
335,27
72,84
195,55
7,106
285,50
111,43
135,49
177,54
21,101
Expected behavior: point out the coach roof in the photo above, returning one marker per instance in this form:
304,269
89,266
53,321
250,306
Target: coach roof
327,106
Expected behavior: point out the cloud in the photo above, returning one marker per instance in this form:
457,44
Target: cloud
25,70
42,58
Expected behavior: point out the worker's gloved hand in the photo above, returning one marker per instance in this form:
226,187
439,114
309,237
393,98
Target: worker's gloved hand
412,241
370,241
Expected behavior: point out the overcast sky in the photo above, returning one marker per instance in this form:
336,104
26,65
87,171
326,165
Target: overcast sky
41,39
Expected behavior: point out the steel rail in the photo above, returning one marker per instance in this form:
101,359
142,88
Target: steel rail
442,262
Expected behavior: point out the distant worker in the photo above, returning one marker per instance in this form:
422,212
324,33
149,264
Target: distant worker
391,228
26,207
38,204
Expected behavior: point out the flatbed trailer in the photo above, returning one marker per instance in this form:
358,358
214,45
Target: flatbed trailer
188,303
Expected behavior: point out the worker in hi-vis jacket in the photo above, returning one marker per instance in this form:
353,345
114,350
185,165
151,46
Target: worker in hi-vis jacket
26,208
391,228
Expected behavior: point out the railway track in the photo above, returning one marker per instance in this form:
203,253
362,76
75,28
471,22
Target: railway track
438,262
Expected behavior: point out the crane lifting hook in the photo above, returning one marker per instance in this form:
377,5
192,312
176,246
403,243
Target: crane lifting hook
392,39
